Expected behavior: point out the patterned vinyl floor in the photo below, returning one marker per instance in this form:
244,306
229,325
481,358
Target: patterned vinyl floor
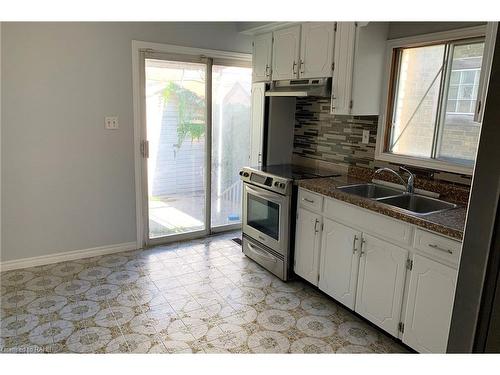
202,296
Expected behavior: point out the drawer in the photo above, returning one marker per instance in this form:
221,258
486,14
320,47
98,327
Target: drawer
264,257
437,246
371,222
310,200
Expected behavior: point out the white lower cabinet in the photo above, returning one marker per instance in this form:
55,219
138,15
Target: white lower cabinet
339,262
382,271
307,245
430,302
377,275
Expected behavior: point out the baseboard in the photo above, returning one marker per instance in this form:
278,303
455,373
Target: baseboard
63,257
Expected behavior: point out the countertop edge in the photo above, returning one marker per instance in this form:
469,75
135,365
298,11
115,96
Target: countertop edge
376,207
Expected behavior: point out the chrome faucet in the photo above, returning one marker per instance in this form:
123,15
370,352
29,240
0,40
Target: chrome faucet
410,184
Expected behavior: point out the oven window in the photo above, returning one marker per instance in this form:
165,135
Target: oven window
263,216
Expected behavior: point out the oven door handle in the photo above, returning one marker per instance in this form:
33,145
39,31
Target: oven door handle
261,253
262,193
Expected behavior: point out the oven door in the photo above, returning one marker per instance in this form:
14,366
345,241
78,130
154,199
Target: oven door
266,217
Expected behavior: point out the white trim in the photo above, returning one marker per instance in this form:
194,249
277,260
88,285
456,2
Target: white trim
442,36
63,257
180,50
137,46
413,41
270,27
435,164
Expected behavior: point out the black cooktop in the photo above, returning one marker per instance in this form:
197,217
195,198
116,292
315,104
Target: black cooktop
296,172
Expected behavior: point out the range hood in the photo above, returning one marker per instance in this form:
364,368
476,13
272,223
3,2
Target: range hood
321,87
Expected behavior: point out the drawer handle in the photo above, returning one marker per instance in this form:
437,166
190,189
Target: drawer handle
308,200
440,248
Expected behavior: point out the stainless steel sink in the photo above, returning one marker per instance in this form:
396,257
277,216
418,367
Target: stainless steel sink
370,191
417,204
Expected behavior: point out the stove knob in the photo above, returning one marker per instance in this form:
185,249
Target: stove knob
282,185
241,173
276,184
245,174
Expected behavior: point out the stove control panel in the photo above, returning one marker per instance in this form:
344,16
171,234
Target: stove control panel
275,183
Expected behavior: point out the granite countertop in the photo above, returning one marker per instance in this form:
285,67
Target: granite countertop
450,222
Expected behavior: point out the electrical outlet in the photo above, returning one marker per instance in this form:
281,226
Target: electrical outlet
111,122
366,136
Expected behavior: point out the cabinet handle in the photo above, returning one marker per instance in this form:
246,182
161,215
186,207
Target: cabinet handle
268,73
440,248
308,200
354,244
362,251
293,67
302,71
316,222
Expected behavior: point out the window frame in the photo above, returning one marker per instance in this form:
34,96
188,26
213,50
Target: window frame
389,87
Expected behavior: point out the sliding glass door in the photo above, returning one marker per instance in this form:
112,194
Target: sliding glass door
197,126
231,88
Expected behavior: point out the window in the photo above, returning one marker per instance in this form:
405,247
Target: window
432,100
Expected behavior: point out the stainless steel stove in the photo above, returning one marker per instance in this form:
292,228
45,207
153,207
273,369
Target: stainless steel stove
269,199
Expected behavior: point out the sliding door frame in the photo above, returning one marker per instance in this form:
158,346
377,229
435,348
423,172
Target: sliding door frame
171,52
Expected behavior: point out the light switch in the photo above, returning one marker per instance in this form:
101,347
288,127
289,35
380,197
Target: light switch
366,136
111,122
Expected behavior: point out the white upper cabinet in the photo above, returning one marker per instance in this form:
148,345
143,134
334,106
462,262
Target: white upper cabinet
286,53
316,49
257,128
339,262
261,57
342,74
307,245
299,51
430,303
359,62
382,271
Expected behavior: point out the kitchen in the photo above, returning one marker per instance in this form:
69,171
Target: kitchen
336,207
298,187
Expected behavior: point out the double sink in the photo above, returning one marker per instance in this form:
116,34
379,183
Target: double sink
412,203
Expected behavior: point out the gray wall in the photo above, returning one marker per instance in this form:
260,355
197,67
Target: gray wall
404,29
67,183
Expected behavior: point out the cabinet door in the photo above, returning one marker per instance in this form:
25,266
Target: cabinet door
316,49
339,262
286,53
430,303
257,131
261,57
345,38
307,245
382,271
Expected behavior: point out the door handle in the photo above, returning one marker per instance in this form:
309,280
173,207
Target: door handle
363,241
316,222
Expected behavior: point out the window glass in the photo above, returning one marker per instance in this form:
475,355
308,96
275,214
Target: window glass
435,90
417,98
459,134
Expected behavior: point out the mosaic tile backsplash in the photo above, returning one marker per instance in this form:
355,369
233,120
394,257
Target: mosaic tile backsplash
337,139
